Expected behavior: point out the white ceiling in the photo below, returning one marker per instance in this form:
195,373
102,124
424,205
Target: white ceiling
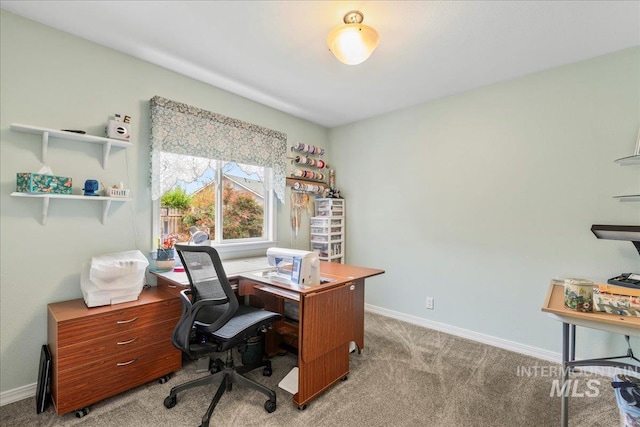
274,52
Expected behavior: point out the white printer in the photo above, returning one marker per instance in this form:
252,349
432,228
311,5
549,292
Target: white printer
295,266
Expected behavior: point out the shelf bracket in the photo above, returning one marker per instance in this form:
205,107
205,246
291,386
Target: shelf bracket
106,148
45,146
105,210
45,210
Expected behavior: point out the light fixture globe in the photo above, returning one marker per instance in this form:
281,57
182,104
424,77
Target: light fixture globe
353,42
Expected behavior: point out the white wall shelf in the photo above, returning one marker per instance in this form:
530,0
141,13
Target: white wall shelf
629,160
628,198
46,133
106,201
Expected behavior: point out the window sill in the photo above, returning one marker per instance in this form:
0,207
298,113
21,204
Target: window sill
238,248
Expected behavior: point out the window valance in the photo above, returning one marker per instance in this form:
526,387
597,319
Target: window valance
182,129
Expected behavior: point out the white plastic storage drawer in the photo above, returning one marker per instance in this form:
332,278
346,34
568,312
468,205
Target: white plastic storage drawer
327,250
326,222
326,238
329,207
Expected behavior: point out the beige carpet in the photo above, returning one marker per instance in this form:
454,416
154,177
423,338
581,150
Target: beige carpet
406,376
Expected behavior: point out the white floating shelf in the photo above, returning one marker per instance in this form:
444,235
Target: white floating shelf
107,143
630,160
106,201
628,198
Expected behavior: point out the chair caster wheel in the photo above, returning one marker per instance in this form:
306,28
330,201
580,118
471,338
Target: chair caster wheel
164,379
170,402
82,412
267,371
269,406
302,407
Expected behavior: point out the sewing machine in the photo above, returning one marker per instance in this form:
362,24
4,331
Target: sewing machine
294,266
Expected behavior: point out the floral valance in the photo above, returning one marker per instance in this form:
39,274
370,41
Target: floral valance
182,129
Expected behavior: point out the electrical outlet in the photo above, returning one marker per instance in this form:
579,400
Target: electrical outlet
430,303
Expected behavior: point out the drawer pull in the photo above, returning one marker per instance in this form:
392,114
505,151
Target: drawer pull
127,342
126,363
172,286
122,322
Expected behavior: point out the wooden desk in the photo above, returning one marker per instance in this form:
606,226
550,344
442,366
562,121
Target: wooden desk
331,315
625,325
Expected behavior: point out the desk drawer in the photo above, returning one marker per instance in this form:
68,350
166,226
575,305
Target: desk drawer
116,321
172,288
86,384
87,352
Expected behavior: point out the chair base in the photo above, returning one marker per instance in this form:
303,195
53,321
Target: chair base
227,374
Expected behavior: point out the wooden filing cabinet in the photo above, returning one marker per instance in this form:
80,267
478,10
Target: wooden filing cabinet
102,351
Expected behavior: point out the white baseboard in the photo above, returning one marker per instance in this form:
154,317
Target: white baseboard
17,394
471,335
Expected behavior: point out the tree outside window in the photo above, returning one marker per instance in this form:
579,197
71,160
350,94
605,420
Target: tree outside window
192,202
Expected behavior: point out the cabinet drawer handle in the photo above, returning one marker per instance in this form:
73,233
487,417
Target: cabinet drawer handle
127,342
126,363
172,286
122,322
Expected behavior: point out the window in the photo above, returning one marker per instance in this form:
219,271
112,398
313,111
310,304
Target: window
214,172
227,200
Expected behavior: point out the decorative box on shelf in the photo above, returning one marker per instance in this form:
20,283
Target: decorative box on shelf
28,182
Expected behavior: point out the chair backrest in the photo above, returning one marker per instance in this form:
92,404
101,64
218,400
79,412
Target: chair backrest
208,281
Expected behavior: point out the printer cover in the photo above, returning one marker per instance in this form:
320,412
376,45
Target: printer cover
113,278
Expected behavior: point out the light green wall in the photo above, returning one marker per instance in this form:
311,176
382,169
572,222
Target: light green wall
478,200
53,79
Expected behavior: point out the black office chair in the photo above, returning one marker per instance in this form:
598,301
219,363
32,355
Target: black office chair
213,321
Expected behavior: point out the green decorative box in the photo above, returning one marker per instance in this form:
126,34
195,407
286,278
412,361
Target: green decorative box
28,182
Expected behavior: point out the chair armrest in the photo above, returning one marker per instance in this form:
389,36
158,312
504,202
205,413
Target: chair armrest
191,310
187,320
218,323
186,301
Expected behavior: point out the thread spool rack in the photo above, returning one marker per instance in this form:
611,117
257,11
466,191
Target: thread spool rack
310,173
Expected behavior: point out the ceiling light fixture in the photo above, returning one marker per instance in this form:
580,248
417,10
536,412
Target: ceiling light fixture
353,42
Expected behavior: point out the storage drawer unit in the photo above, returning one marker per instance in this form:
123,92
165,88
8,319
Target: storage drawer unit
327,230
102,351
329,207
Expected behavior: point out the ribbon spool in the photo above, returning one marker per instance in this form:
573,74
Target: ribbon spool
307,148
303,186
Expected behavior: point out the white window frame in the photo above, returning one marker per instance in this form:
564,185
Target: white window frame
233,245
